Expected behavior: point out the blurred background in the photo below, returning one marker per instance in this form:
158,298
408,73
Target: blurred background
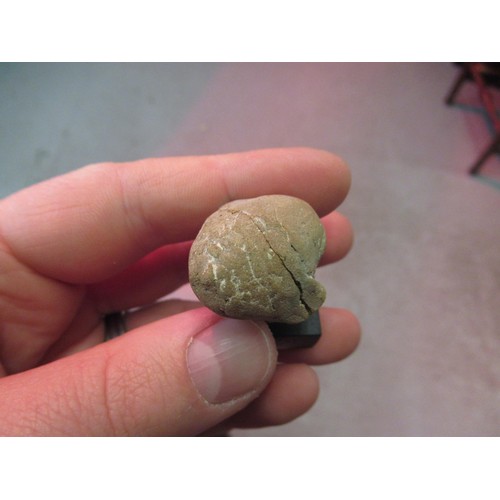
424,274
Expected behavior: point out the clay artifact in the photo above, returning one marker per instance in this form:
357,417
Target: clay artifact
256,259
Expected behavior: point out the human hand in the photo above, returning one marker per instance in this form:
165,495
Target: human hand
110,237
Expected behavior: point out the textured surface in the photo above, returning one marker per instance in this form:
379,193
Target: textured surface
256,259
424,273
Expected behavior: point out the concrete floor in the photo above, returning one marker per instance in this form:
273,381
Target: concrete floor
424,275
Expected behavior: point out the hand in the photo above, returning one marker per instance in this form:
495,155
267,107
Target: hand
110,237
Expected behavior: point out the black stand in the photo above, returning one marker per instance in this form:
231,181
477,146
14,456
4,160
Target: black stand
297,336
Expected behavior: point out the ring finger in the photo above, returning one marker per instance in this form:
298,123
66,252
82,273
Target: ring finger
340,331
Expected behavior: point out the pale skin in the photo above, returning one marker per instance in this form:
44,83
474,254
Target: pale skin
110,237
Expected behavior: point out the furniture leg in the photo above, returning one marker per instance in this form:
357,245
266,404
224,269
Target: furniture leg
462,76
492,148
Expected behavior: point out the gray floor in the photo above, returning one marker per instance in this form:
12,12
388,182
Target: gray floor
424,275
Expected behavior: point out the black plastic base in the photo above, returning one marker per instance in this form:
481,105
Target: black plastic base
297,336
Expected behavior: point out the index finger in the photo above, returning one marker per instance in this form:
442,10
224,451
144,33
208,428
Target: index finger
87,225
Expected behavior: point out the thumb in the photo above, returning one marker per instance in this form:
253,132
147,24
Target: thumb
181,375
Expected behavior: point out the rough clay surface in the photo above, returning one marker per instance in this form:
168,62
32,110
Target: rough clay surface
256,258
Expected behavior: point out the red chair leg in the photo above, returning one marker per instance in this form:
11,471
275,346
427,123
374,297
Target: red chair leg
462,76
492,148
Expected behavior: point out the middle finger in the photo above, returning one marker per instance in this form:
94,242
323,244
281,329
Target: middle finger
166,269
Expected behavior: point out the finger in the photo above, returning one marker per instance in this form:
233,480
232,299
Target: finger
339,238
341,333
292,392
88,330
178,376
165,270
90,224
159,311
145,281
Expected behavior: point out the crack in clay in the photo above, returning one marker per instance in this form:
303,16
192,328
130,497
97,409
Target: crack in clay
299,255
297,282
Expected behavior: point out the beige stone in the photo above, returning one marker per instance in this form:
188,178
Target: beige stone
256,259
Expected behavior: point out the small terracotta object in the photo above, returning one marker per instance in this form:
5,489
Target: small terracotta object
256,259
